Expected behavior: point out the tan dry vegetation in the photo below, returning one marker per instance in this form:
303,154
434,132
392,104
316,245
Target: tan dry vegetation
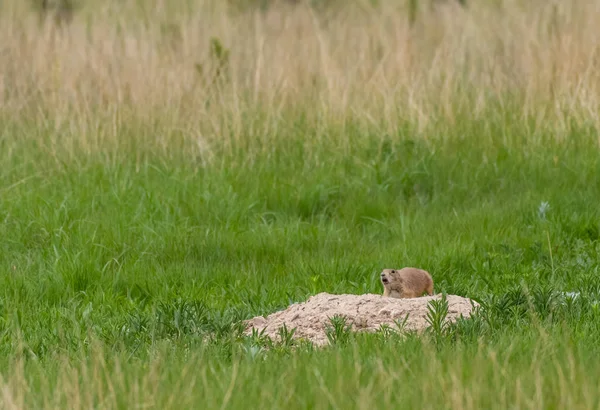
96,383
482,378
119,62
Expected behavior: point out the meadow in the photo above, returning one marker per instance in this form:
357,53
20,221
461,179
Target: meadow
170,168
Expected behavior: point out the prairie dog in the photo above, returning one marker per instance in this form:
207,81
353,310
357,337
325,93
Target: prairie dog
406,283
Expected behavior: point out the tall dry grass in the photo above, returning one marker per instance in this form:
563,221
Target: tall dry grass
142,74
523,375
123,62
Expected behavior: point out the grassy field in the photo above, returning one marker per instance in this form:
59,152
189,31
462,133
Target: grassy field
169,168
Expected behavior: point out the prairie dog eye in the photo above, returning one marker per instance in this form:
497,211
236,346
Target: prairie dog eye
393,271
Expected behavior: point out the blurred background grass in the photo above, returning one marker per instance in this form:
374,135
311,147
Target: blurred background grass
169,168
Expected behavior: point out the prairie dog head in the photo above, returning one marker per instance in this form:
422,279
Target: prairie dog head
389,276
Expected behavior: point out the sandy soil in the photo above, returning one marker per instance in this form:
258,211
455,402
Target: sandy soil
365,312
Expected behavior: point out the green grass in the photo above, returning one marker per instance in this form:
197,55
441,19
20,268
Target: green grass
143,216
154,262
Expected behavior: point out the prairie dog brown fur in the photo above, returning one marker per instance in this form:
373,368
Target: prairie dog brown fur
406,283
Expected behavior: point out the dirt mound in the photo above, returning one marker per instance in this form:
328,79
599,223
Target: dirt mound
364,312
